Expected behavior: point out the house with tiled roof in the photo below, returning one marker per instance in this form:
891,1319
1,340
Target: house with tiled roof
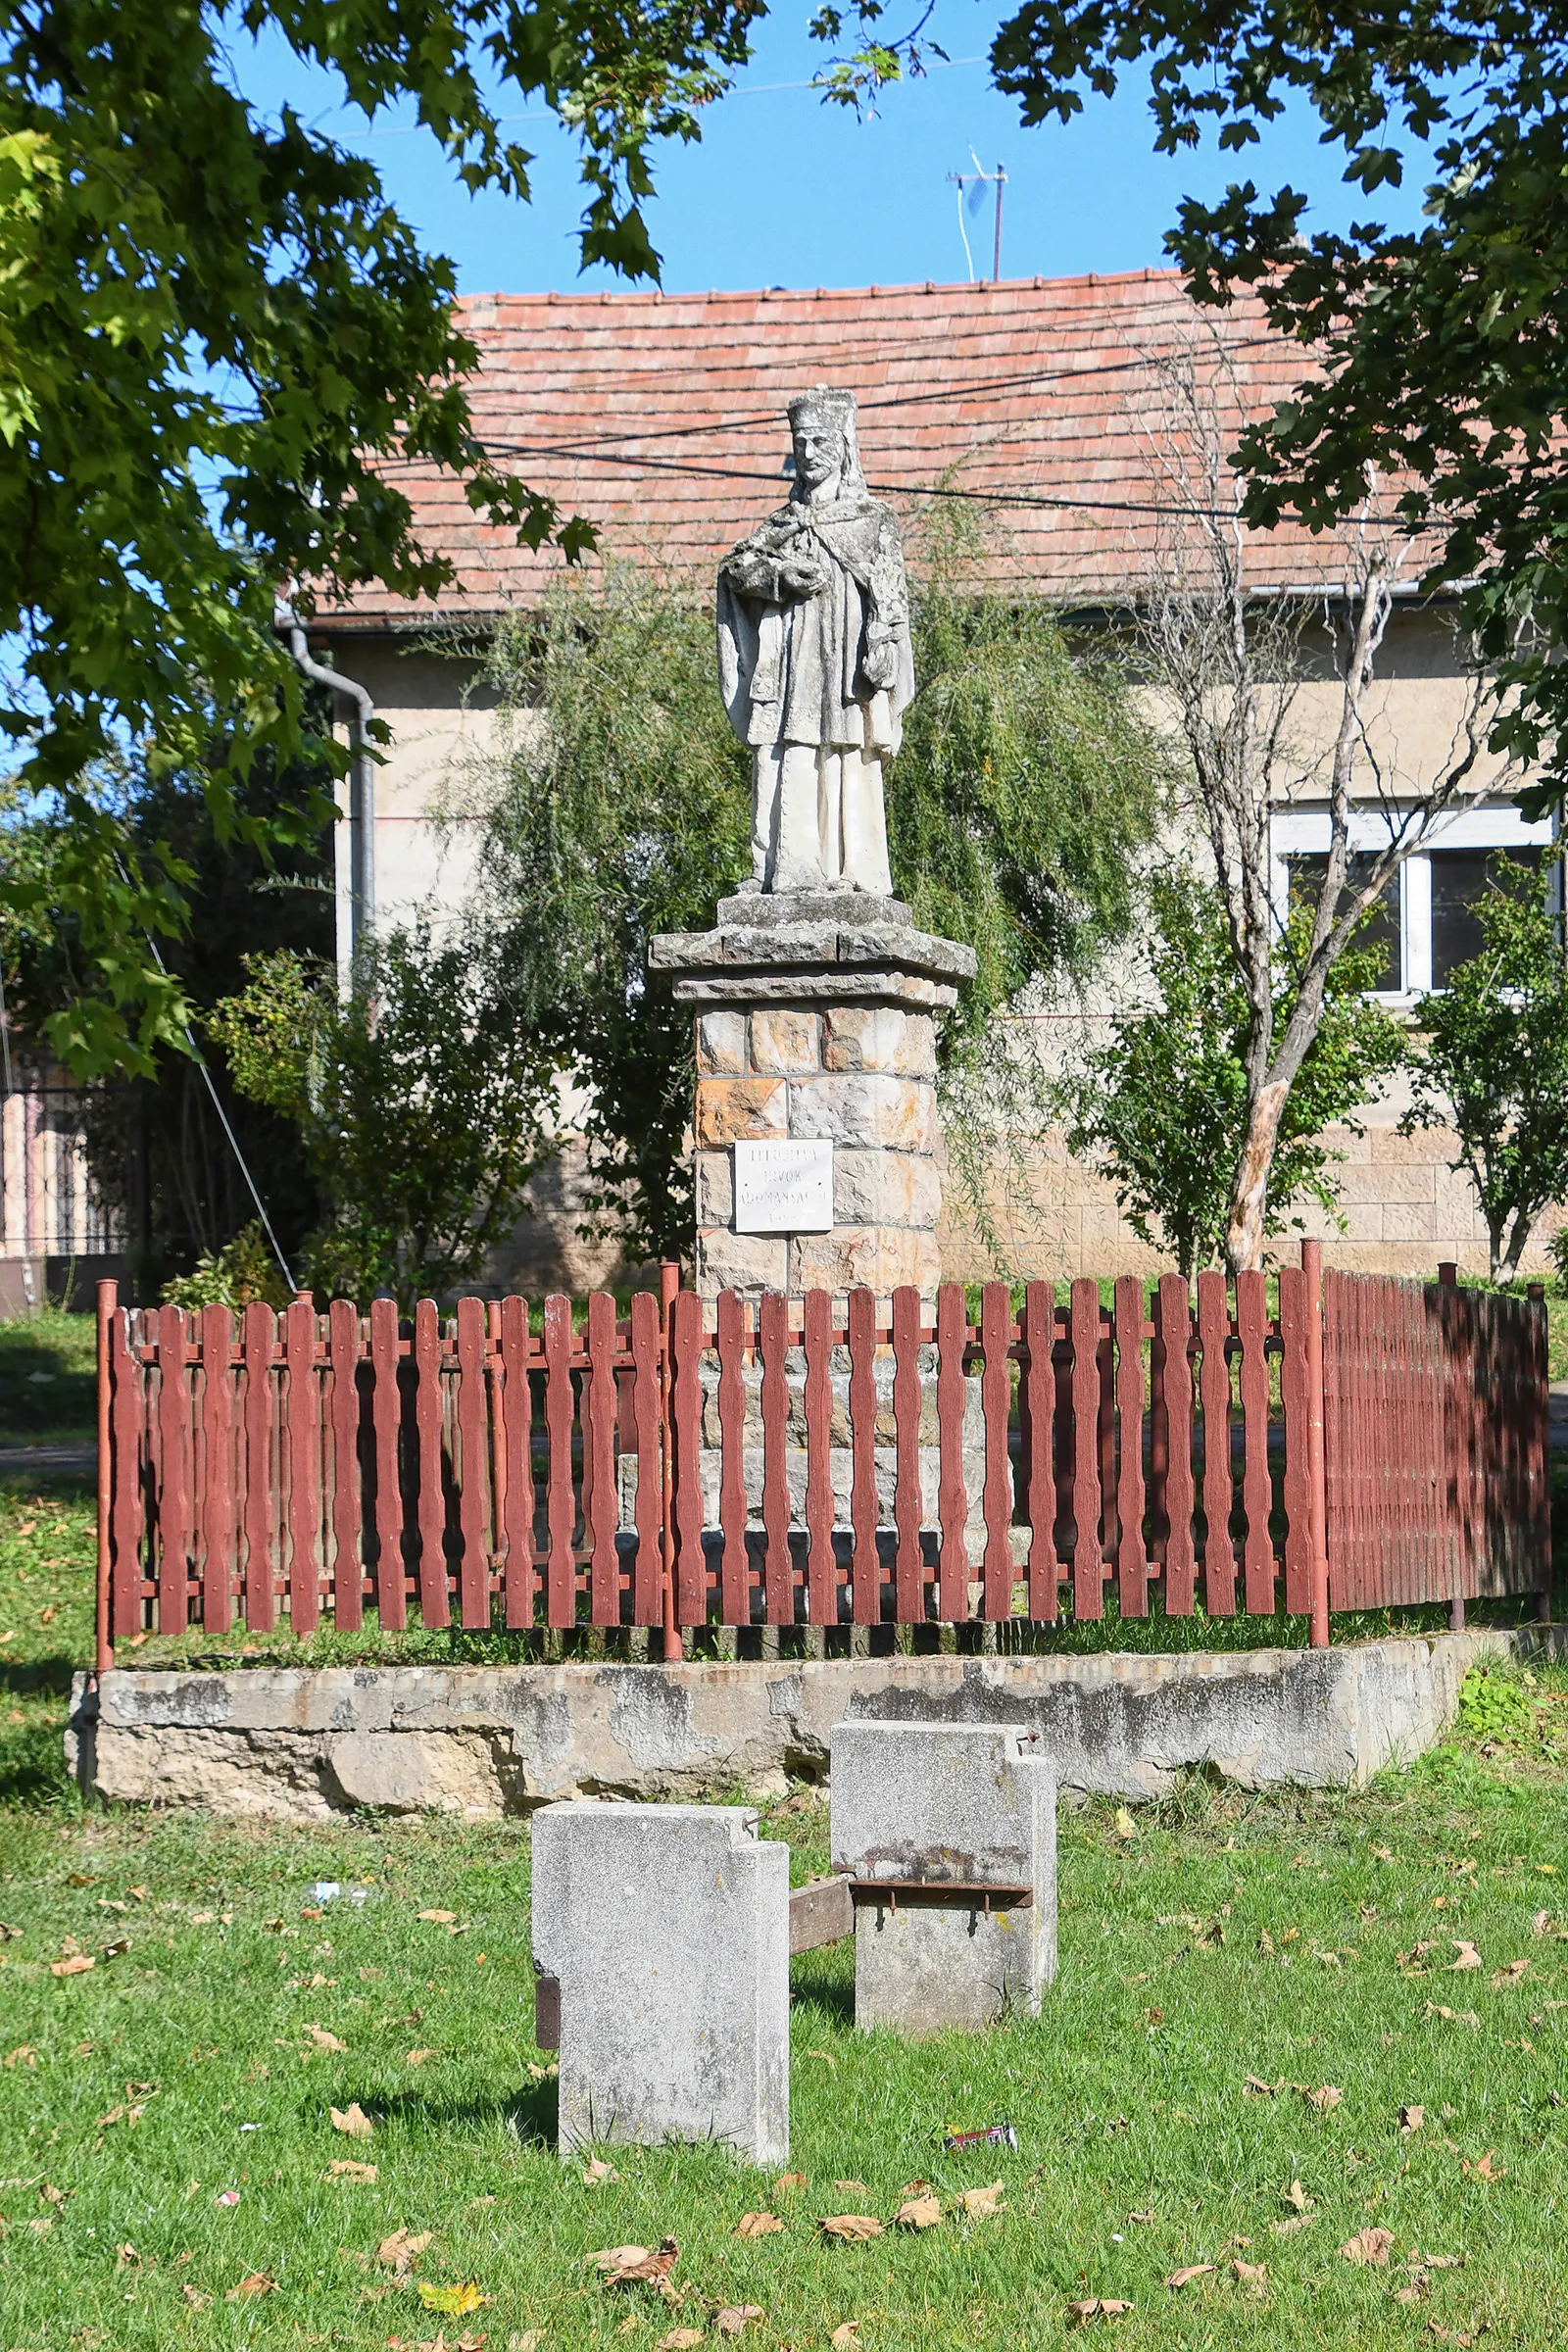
660,418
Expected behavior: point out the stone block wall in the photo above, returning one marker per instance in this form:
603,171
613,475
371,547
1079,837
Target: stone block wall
1403,1207
859,1077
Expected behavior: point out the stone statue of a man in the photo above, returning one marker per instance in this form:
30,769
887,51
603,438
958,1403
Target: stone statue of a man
816,663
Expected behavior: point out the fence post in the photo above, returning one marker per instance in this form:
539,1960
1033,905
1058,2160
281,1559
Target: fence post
669,1287
1312,1272
108,1295
1535,1293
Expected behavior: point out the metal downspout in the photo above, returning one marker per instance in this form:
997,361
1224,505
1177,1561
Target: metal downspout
361,774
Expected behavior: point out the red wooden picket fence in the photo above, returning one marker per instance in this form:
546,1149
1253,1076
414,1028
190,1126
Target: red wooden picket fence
1374,1442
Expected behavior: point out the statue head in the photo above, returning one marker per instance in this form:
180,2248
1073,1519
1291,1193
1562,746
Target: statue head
826,449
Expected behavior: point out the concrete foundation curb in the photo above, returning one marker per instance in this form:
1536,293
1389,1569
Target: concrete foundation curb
290,1744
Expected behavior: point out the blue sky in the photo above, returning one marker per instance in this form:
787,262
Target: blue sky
785,191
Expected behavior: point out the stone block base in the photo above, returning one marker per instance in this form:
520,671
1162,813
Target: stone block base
667,1929
816,1021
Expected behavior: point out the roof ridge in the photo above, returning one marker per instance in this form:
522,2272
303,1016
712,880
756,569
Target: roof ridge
650,295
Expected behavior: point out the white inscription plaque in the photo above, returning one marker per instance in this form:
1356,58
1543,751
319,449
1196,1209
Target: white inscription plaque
784,1188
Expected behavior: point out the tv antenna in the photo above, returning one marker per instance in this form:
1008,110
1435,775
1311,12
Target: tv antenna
971,187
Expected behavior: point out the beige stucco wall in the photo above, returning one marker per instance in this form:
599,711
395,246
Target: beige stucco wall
1403,1207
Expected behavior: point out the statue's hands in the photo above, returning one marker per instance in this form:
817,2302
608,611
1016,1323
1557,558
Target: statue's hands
802,576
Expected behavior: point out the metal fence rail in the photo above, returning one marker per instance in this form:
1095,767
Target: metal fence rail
790,1463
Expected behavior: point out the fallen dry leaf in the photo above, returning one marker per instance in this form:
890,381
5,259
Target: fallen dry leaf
1468,1957
50,2195
402,2249
194,2297
1145,2217
1299,2221
1501,1976
1253,2275
77,1966
1411,2120
324,2040
638,2265
1095,2307
1454,2017
1486,2168
1190,2271
525,2339
1327,2095
257,2282
788,2183
1369,2245
851,2225
353,2120
980,2202
1256,2088
1126,1826
442,1919
918,2213
22,2055
1297,2195
735,2317
416,2057
852,2189
758,2224
593,2172
847,2337
344,2168
680,2339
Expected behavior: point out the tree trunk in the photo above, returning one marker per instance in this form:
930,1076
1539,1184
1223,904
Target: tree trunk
1244,1238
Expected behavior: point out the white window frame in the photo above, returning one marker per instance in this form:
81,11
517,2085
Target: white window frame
1304,833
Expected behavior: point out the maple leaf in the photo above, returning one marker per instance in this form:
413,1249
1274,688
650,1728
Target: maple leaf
453,2302
1326,2096
849,2227
353,2120
758,2224
1369,2245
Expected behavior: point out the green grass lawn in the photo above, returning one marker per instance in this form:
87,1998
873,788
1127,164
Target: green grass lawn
166,2130
166,2125
48,1379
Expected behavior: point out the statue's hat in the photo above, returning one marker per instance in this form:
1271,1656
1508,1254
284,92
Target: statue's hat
825,405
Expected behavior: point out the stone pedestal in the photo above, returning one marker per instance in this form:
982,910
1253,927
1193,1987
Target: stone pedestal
815,1018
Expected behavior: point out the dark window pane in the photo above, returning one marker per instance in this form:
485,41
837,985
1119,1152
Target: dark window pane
1381,931
1458,878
